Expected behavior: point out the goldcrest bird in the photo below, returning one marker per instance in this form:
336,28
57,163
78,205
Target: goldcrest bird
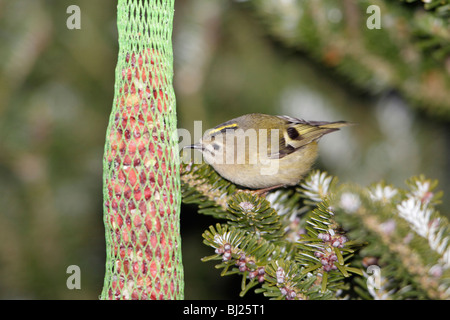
260,151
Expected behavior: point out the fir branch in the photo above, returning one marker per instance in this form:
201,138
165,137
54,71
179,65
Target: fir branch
201,185
405,253
325,249
251,212
417,210
256,236
284,280
287,202
242,252
316,186
378,59
417,215
382,193
402,232
422,189
439,7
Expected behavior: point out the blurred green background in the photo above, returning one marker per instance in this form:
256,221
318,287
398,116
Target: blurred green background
314,60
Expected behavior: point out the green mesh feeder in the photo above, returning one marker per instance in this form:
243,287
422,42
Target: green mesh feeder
141,183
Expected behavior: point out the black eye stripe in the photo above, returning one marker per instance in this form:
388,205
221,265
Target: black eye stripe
293,133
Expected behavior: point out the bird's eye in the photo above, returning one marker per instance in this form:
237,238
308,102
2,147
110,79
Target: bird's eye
293,133
215,146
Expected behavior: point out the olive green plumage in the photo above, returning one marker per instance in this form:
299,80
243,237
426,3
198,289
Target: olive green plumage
260,151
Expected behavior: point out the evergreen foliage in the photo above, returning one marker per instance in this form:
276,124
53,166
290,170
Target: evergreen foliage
406,50
323,240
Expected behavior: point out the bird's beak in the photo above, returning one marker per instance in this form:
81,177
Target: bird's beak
197,146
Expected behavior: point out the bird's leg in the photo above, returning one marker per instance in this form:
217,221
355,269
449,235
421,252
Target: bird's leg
263,192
